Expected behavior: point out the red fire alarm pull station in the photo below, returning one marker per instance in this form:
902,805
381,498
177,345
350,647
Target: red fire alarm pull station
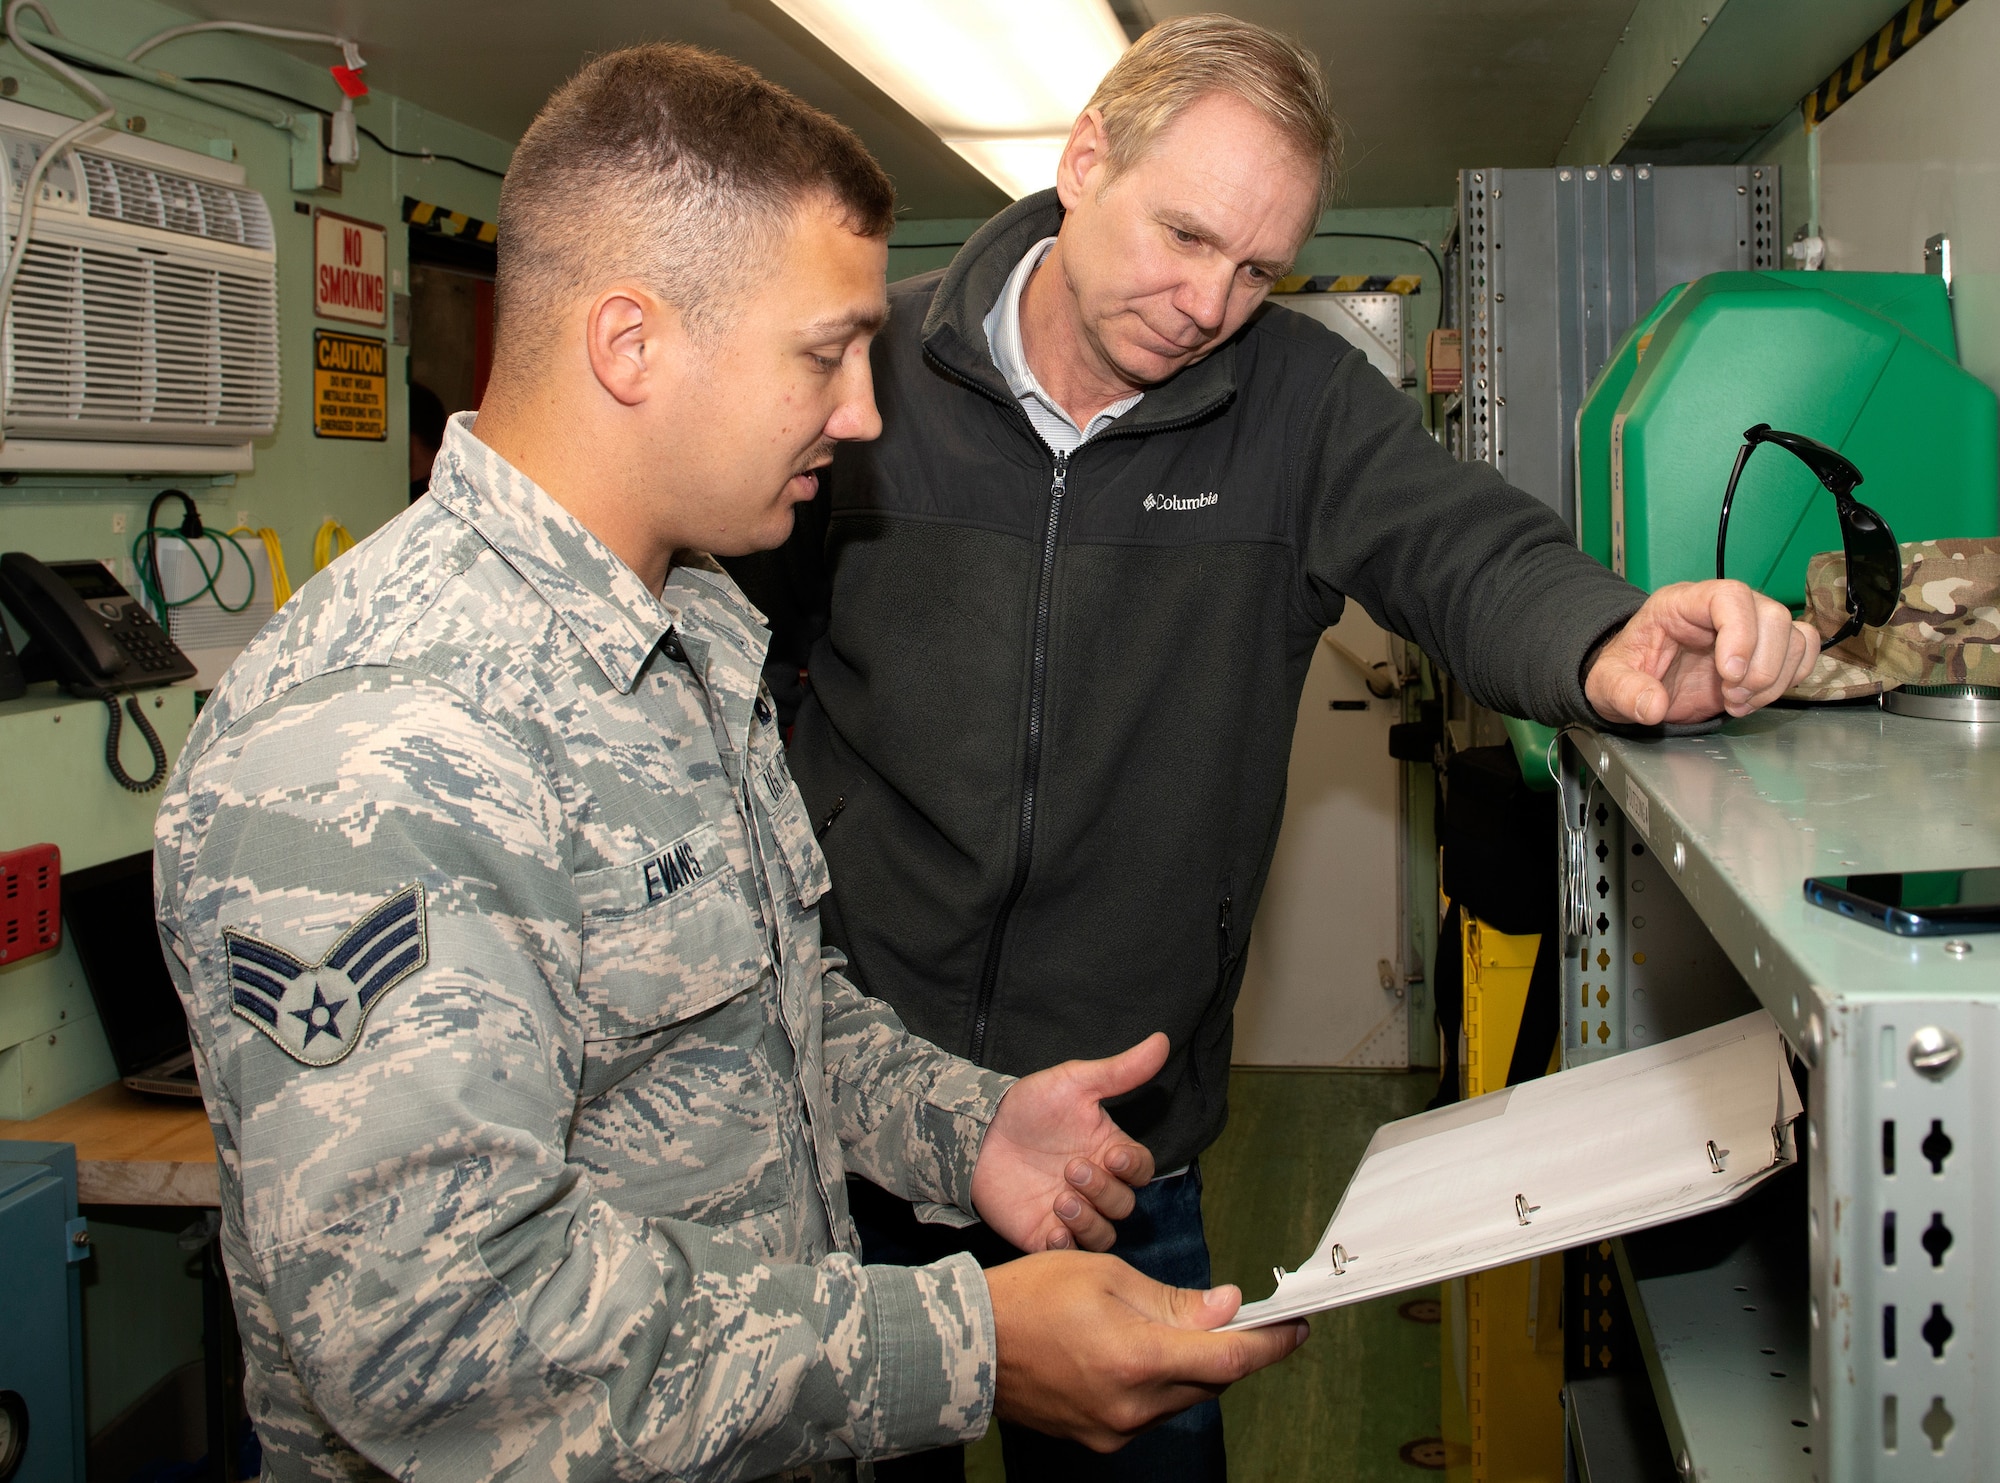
30,901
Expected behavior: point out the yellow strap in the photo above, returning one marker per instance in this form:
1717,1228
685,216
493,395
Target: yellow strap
330,543
281,583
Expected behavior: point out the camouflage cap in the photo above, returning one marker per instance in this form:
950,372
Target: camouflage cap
1946,630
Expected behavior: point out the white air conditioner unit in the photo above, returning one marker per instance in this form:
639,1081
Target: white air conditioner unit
143,334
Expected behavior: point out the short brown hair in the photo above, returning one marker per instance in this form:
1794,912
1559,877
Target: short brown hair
1181,61
673,165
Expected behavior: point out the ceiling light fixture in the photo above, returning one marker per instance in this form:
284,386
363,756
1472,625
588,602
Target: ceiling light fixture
1001,81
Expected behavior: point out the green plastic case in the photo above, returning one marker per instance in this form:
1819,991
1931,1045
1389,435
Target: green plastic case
1864,362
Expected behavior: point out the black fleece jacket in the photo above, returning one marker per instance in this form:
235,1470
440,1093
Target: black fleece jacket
1052,701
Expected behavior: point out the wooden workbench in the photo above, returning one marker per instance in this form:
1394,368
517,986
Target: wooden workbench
132,1149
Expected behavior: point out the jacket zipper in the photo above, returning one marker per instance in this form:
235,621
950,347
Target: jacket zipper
990,971
1031,764
839,806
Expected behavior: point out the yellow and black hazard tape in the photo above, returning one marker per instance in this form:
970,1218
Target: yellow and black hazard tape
1903,31
434,218
1350,283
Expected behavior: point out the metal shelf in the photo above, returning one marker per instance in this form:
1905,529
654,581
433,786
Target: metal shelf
1719,1303
1698,852
1614,1431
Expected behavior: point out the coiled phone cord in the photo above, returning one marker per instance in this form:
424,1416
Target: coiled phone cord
118,773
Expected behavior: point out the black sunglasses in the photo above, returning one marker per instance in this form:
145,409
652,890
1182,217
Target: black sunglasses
1874,561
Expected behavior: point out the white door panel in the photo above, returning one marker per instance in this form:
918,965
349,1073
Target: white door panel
1331,914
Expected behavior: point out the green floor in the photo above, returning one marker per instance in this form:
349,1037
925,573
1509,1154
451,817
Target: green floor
1366,1383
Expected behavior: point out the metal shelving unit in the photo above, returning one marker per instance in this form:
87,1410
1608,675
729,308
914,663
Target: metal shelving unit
1552,266
1697,853
1719,1304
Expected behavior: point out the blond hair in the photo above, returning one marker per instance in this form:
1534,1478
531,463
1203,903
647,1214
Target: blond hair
1181,61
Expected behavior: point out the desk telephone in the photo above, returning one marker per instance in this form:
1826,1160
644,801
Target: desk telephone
98,640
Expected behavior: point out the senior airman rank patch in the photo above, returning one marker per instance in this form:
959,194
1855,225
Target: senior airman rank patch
314,1011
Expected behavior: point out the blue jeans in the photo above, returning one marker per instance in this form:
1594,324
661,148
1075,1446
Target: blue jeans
1162,1238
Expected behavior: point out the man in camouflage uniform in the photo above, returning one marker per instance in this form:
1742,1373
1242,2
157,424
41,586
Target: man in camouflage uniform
491,902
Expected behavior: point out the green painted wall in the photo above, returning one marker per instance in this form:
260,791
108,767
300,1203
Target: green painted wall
299,480
919,246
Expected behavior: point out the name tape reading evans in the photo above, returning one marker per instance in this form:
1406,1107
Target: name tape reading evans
350,386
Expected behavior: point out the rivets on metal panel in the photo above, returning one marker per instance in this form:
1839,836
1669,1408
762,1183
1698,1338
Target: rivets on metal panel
1958,947
1680,855
1643,173
1815,1040
1684,1465
1935,1052
1563,174
1590,175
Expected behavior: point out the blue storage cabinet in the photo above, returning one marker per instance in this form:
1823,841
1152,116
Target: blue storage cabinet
42,1243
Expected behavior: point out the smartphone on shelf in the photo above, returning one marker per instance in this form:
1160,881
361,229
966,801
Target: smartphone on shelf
1914,903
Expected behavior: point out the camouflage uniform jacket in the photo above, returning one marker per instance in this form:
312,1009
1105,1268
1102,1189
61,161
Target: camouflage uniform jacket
491,903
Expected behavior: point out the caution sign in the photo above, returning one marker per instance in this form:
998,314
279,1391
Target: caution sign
350,386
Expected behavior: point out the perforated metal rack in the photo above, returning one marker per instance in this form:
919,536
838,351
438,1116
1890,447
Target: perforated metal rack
1556,264
1699,849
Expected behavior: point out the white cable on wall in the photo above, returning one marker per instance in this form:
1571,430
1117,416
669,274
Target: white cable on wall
249,28
345,146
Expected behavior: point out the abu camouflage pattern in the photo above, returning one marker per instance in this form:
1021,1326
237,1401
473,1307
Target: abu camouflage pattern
533,1133
1946,630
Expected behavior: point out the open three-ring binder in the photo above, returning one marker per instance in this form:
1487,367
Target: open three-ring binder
1624,1143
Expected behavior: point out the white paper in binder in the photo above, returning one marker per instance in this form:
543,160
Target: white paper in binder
1624,1143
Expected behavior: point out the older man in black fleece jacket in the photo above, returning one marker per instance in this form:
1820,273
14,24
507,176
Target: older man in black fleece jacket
1072,593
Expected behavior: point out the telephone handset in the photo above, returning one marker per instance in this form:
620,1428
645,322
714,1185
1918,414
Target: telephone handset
85,630
90,634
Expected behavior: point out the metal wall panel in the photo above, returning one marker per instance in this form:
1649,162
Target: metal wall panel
1556,265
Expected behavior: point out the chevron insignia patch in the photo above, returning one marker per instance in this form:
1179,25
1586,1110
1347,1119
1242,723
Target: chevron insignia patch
315,1011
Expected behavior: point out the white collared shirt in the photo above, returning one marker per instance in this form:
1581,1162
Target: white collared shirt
1003,338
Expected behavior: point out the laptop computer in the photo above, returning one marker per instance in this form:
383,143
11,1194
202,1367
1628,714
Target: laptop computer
108,910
